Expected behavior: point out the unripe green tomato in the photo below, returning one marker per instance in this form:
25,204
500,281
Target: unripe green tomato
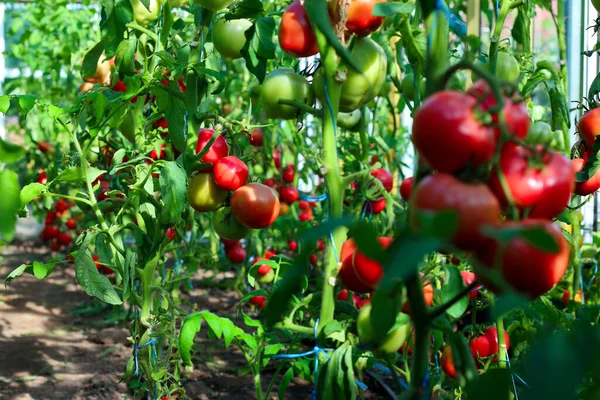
588,251
214,5
228,37
360,87
266,278
284,84
408,87
540,133
348,120
203,194
258,169
143,15
226,226
393,340
386,88
507,67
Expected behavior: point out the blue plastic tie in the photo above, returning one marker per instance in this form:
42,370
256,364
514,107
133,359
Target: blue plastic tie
456,24
512,377
312,198
337,259
137,347
388,371
368,205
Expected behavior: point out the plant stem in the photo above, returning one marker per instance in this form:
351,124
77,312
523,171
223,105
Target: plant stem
286,324
258,361
495,39
502,352
419,312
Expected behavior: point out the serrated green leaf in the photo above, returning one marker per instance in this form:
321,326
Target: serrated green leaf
10,153
189,328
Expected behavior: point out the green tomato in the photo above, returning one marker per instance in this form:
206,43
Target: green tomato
588,251
360,87
386,88
258,169
540,133
507,67
203,194
214,5
228,37
408,87
266,278
348,120
143,15
395,338
284,84
226,226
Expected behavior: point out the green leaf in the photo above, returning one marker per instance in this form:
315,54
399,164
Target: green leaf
4,103
453,284
493,385
93,282
559,107
564,216
507,302
70,174
285,382
190,327
592,165
259,46
174,110
94,173
214,74
10,153
42,270
335,331
128,273
125,57
26,103
15,273
387,9
90,60
10,203
245,9
521,30
594,87
384,312
365,236
173,185
535,235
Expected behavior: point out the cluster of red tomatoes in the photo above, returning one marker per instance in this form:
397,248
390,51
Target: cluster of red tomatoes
56,219
482,346
589,128
251,206
531,182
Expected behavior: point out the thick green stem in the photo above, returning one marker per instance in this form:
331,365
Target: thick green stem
333,178
257,365
495,39
502,352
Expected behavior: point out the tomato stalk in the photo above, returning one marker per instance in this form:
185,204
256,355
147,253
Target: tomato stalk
332,174
419,312
506,7
502,351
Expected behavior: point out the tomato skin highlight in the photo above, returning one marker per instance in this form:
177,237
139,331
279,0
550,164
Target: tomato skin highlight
588,187
528,269
361,21
203,194
474,203
589,126
447,134
255,205
217,150
230,173
296,36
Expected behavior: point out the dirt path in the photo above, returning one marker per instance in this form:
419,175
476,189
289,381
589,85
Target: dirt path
49,352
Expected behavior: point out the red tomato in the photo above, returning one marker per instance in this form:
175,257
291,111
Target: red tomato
292,245
64,239
427,295
50,232
230,173
374,206
271,183
468,278
171,234
288,195
42,177
447,134
218,150
158,155
161,124
567,297
288,174
255,205
474,203
236,254
545,190
320,245
228,243
588,187
50,217
448,362
360,273
480,347
589,125
385,177
360,17
313,259
358,301
296,36
54,246
492,334
71,224
527,268
264,269
406,188
276,159
269,254
257,300
516,117
121,87
305,215
256,137
303,205
45,147
61,205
